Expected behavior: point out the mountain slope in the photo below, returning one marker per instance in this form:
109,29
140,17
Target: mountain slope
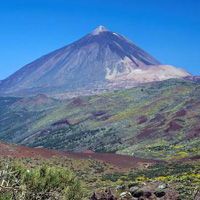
101,59
121,161
155,120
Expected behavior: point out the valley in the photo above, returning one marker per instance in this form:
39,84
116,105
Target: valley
161,117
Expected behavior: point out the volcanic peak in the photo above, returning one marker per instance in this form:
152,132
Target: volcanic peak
99,30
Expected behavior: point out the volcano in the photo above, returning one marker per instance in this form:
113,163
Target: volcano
102,60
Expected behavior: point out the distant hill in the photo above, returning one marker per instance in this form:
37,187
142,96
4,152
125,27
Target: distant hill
33,103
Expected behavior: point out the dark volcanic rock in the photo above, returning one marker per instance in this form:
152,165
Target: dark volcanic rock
105,195
61,122
159,193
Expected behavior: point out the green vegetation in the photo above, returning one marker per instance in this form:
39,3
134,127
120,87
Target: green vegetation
155,120
183,178
55,178
41,182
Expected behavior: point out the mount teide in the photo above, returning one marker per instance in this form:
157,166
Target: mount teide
101,60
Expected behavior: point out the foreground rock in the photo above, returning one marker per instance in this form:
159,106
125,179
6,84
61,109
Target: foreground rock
150,191
104,195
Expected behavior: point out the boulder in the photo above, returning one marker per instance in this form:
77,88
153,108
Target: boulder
159,193
126,195
133,188
147,194
163,186
104,195
137,193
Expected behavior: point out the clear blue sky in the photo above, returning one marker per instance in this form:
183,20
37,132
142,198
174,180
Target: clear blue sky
167,29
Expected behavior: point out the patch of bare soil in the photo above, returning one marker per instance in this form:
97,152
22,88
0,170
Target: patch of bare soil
121,161
146,132
142,120
173,126
181,113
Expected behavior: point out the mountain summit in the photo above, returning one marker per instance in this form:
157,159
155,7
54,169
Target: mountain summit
99,30
101,60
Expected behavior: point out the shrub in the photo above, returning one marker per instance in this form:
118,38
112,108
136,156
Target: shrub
42,182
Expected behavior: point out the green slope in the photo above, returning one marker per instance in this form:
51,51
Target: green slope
157,120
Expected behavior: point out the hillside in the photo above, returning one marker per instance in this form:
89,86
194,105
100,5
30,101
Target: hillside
101,175
102,60
118,161
156,120
91,168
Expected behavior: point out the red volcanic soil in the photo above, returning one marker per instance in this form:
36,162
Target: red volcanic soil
142,120
88,151
146,132
194,132
193,158
122,161
77,102
181,113
174,126
117,160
